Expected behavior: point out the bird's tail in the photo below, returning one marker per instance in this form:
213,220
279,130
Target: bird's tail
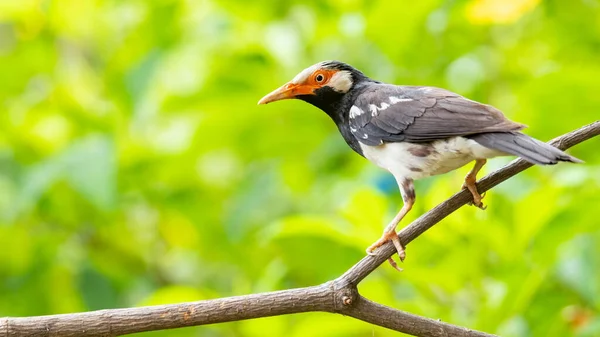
520,144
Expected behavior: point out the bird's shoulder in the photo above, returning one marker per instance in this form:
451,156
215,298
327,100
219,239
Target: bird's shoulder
391,113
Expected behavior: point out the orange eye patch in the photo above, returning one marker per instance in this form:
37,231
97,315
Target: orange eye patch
320,77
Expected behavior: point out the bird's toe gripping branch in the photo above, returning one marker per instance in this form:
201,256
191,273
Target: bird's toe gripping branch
469,184
389,236
476,196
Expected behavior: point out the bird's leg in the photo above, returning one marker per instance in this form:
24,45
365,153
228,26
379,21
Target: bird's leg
407,190
470,180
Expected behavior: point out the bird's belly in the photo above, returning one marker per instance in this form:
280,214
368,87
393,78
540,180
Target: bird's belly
420,160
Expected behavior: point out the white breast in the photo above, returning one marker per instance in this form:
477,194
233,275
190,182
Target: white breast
420,160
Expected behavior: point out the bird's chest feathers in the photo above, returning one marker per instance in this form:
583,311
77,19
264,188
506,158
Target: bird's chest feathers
420,160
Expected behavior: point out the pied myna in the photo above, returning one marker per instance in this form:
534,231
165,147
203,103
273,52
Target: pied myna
413,132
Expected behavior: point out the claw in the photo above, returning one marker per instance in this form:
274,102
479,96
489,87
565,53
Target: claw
399,247
480,205
394,264
389,236
477,200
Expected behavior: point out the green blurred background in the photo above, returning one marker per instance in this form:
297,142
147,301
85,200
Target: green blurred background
137,169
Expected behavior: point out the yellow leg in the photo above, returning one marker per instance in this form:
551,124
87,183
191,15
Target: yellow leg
470,180
389,234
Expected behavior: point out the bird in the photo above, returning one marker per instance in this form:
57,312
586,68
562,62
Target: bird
413,132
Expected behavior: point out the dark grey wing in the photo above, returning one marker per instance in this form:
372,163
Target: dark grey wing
386,113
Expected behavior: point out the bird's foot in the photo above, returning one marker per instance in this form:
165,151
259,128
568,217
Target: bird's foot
389,236
476,196
470,181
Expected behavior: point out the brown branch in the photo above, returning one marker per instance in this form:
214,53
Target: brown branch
394,319
337,296
115,322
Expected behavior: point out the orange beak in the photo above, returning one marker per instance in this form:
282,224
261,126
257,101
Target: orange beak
288,91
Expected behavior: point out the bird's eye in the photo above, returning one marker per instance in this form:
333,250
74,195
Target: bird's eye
319,78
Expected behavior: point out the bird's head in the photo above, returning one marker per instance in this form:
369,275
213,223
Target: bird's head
322,84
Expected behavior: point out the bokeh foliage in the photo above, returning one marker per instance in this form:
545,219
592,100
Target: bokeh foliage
136,168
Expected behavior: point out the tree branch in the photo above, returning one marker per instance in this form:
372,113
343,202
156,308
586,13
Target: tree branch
337,296
394,319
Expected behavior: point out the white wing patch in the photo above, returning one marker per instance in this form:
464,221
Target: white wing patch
355,111
375,109
394,99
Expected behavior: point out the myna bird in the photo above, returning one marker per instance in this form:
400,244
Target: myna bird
413,132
